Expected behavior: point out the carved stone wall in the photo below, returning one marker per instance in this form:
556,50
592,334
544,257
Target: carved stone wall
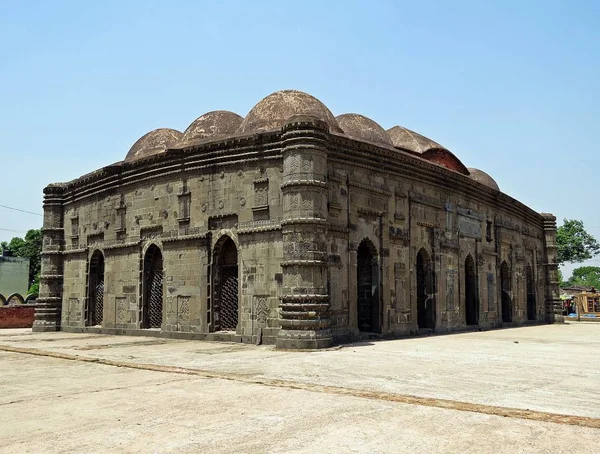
297,202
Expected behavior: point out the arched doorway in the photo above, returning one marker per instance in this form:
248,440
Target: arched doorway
153,288
506,287
226,290
368,285
471,300
95,309
531,315
425,291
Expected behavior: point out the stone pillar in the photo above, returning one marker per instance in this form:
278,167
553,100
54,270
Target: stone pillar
552,293
305,308
48,309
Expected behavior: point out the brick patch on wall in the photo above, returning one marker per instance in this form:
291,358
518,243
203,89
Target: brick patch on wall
17,316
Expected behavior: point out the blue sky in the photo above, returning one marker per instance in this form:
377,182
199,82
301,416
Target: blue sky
510,87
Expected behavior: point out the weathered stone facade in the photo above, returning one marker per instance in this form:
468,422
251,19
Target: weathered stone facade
292,227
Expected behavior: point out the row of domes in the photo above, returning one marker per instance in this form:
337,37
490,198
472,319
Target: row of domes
272,112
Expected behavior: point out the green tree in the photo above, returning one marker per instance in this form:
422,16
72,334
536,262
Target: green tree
574,243
561,281
588,276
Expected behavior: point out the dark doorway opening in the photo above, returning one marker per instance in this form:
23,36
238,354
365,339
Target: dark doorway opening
531,303
425,292
226,286
471,300
96,290
368,286
153,288
506,287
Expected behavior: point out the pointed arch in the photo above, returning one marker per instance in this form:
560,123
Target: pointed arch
225,285
367,279
95,297
471,293
425,290
152,310
15,298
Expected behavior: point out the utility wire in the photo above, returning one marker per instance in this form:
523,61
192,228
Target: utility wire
11,230
18,209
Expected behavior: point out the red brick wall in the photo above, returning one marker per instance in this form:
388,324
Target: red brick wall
16,316
444,159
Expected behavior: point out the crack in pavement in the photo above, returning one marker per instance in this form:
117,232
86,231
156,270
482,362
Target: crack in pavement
92,391
507,412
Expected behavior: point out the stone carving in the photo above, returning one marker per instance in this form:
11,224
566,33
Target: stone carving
74,226
261,193
228,221
95,238
184,201
121,309
469,227
151,232
74,311
262,310
450,289
183,303
491,290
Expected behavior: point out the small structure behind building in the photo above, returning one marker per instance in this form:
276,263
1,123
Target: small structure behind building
15,308
580,300
14,274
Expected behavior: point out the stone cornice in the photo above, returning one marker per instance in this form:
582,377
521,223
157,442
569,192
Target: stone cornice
268,146
367,187
395,162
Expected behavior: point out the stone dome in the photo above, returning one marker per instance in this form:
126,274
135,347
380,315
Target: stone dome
411,141
215,124
362,128
154,142
481,177
272,112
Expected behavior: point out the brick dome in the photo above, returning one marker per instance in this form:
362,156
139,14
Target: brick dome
362,128
411,141
483,178
273,111
153,142
215,124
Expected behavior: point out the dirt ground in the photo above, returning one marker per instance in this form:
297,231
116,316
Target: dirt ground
533,389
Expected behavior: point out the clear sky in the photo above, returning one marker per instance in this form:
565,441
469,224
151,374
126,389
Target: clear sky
510,87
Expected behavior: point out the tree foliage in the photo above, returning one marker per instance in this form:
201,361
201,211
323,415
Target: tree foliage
574,243
29,247
588,276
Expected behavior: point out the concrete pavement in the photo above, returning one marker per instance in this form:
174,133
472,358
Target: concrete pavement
531,389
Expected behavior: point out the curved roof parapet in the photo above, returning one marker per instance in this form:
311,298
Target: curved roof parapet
411,141
363,128
215,124
272,112
481,177
153,142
